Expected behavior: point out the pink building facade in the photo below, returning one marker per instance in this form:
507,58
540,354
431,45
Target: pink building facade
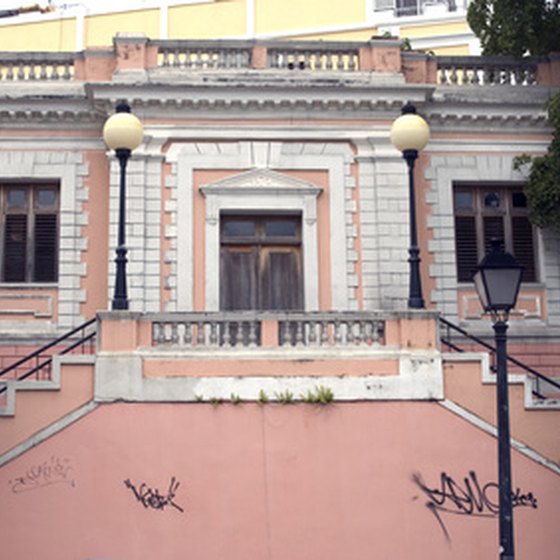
268,395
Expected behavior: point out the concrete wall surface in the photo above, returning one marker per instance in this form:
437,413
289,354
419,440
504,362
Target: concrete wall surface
269,481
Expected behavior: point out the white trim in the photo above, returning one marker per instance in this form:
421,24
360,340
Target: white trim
245,155
420,378
164,19
492,430
250,11
46,433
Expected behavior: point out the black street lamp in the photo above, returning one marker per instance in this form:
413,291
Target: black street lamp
497,281
410,134
123,133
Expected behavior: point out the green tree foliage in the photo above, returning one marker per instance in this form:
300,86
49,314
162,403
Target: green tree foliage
543,184
516,27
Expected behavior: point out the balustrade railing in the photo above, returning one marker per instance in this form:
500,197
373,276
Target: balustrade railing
36,66
246,329
330,329
487,70
204,55
311,56
342,57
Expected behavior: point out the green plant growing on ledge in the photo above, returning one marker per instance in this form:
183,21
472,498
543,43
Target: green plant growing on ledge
215,401
263,397
284,397
235,399
199,398
319,395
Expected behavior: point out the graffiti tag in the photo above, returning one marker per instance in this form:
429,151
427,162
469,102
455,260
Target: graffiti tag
53,471
467,498
151,498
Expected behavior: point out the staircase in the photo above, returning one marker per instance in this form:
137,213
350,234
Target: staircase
50,383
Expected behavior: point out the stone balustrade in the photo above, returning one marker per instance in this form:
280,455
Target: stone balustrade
36,66
204,55
248,329
488,70
384,55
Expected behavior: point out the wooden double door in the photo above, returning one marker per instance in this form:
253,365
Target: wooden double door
261,262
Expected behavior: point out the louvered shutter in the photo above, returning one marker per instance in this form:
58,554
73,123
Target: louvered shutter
465,247
523,248
45,245
15,247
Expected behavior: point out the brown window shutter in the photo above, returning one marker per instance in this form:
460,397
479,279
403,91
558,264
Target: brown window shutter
15,247
281,287
523,248
465,247
238,279
45,243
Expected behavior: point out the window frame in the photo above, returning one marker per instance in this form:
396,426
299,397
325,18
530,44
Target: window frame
31,211
506,210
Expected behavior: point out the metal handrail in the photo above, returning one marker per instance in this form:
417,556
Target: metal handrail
540,376
48,346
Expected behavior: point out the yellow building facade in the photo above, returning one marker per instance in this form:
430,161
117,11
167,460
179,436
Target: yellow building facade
436,25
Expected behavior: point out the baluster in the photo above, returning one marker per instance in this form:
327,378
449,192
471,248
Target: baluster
252,333
324,333
377,331
21,71
188,334
165,59
337,332
32,69
10,72
339,61
312,335
285,339
176,63
352,62
475,76
67,73
221,59
359,336
43,74
174,333
200,338
328,61
454,75
213,333
238,60
226,334
156,329
299,333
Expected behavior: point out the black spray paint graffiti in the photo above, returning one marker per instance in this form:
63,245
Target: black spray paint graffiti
151,498
469,498
53,471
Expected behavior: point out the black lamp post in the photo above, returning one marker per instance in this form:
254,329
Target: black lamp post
410,134
497,281
123,133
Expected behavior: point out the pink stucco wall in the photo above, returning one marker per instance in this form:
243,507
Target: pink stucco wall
297,482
